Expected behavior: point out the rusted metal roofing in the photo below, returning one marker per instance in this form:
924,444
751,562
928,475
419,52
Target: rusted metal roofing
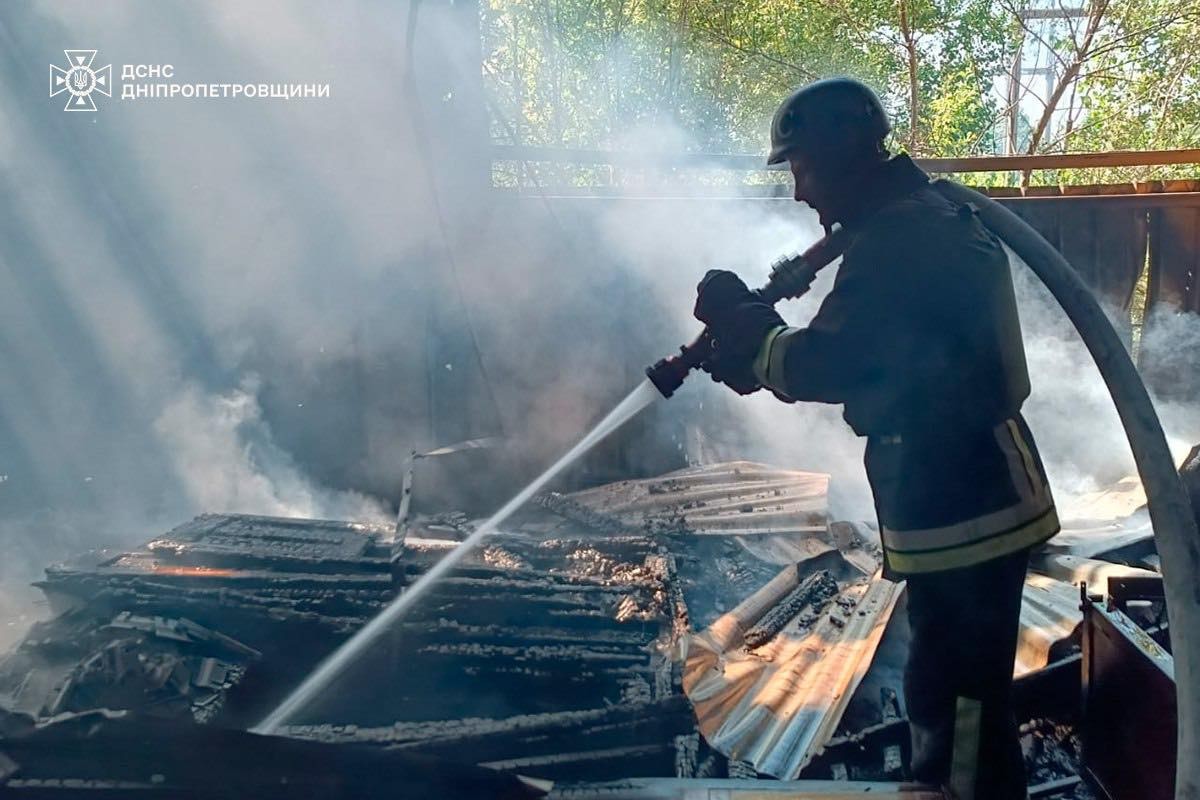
737,497
773,704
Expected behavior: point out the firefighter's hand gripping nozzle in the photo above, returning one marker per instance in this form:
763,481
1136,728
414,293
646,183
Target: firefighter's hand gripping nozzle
790,277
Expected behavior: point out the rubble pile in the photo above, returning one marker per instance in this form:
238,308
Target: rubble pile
711,624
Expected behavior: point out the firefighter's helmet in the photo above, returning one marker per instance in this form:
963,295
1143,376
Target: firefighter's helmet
830,120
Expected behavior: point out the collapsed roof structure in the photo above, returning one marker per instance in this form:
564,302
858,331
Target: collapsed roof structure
712,627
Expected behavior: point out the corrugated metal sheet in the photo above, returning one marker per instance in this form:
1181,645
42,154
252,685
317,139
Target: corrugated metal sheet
737,497
775,705
1077,569
1108,244
1110,523
1100,539
1173,280
1113,502
1049,614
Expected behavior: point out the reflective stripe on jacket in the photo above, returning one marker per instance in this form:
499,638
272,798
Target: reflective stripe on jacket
920,340
921,326
952,501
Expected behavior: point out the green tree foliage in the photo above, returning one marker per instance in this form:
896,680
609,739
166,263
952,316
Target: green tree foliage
1141,89
595,73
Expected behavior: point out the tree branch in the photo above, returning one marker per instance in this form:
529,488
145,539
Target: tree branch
914,97
1144,33
1010,8
804,72
1095,16
851,20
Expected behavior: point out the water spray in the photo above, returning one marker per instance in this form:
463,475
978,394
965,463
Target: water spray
337,662
1171,513
790,277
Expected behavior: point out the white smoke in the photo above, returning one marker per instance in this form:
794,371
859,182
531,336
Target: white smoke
227,306
189,290
1070,410
229,460
1170,354
675,242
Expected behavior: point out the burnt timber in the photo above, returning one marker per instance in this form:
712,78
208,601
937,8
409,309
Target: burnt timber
558,652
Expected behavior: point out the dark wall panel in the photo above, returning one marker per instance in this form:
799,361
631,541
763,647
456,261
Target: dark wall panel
1175,257
1106,244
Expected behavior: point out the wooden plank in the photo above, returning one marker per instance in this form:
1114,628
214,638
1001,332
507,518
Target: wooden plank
632,158
1113,158
1129,200
753,161
782,193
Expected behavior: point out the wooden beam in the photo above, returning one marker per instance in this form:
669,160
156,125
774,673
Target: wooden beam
632,158
1153,200
1114,158
748,161
778,194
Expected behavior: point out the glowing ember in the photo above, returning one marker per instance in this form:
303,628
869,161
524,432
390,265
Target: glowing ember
207,572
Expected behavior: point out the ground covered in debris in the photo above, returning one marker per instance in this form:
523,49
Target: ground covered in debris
711,623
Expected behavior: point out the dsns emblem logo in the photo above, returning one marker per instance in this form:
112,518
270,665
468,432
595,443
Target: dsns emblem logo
80,80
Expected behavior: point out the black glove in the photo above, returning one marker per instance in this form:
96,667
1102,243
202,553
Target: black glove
738,321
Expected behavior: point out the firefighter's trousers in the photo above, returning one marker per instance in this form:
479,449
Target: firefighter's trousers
958,679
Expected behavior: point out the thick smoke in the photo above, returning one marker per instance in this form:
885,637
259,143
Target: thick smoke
233,461
677,241
256,306
183,284
1070,410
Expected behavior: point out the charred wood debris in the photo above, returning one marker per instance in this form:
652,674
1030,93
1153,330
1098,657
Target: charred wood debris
554,653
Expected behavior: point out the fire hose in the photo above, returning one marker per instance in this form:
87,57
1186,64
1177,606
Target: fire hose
1171,514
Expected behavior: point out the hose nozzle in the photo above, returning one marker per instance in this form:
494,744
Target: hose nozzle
790,277
667,374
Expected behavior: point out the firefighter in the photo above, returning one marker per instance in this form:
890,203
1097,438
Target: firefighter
919,340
